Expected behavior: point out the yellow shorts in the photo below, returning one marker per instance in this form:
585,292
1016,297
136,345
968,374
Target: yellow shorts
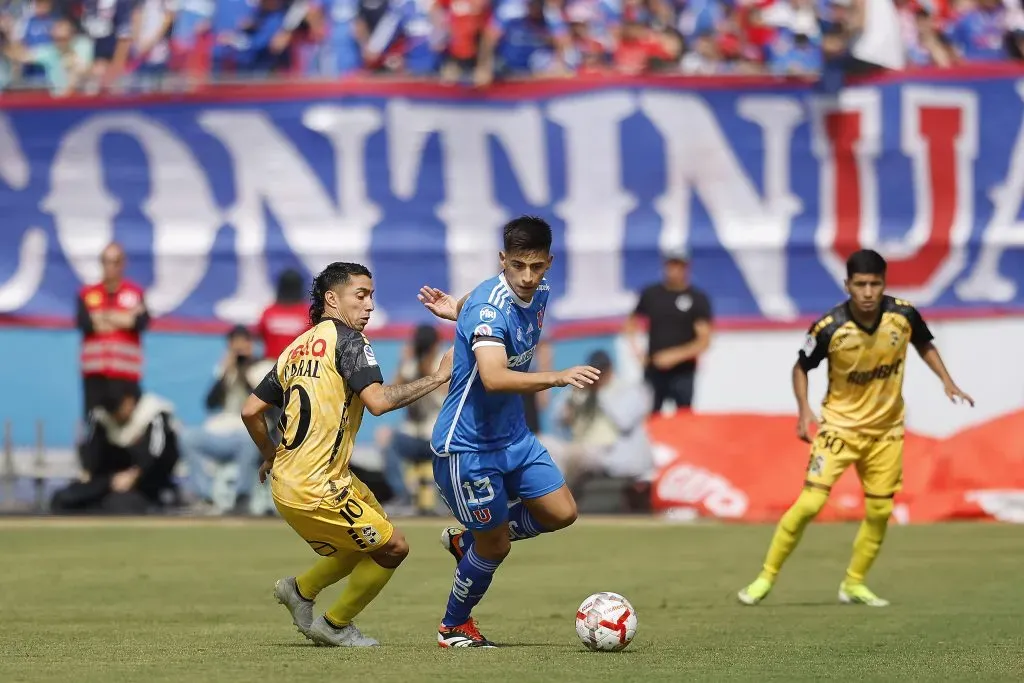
879,459
355,521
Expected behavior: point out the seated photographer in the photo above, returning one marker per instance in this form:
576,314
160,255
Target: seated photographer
223,438
128,457
605,426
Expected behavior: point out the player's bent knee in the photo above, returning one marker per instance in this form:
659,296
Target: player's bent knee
878,509
393,553
493,544
812,500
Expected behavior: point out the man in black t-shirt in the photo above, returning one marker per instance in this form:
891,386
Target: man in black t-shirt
679,331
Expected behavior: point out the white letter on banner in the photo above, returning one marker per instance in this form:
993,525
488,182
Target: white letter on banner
181,209
595,206
1004,230
470,211
14,172
699,157
271,172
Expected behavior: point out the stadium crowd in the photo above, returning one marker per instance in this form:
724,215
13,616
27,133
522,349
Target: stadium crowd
102,45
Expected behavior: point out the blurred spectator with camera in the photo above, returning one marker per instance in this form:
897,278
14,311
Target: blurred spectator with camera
127,459
223,438
407,453
604,429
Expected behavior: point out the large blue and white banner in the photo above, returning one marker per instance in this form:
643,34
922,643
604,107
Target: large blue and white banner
770,186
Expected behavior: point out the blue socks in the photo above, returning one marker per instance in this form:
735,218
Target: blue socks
521,526
472,578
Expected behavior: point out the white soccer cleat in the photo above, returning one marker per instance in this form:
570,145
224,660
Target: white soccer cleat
451,540
322,633
287,593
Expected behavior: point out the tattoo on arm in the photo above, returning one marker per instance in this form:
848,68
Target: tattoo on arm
401,395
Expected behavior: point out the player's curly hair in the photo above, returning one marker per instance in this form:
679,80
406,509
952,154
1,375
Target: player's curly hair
337,273
527,233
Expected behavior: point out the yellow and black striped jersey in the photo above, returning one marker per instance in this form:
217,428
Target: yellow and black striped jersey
317,381
866,366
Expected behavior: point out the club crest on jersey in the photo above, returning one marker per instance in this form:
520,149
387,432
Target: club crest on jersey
483,330
488,314
482,515
540,319
371,359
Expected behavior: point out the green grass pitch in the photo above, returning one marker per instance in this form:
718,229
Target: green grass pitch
116,602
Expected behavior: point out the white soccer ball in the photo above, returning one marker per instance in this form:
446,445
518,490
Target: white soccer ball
606,622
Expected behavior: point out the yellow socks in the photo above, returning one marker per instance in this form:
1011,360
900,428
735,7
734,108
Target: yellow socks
367,580
869,539
326,572
791,528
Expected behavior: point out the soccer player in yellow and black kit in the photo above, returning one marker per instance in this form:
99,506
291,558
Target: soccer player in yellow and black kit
865,341
322,381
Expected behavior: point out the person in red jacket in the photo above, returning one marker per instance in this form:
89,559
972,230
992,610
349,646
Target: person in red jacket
286,318
112,316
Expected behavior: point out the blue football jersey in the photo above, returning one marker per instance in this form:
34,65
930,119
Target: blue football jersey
472,420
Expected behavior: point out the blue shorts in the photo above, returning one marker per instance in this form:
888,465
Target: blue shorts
478,486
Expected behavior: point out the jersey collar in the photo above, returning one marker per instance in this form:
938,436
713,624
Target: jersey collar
512,294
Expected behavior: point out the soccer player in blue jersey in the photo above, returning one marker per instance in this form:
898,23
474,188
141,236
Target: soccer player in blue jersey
484,456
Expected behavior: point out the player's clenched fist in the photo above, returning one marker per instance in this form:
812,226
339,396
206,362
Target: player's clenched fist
579,376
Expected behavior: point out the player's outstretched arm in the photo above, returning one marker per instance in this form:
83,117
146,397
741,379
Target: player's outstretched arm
492,364
443,305
383,398
930,355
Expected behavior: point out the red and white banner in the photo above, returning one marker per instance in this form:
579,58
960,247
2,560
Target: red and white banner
751,468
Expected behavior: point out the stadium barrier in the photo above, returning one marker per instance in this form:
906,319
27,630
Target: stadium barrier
751,467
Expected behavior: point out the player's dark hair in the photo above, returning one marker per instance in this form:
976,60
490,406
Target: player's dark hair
338,273
289,287
865,262
527,233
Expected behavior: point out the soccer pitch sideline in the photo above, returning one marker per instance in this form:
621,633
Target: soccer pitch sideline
184,600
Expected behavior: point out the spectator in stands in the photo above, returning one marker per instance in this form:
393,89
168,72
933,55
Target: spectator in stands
980,31
409,444
258,46
605,425
678,319
465,21
287,317
111,316
128,458
151,49
109,23
223,438
524,37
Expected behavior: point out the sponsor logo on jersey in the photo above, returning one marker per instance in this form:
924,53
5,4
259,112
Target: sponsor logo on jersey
522,359
881,372
488,314
371,359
